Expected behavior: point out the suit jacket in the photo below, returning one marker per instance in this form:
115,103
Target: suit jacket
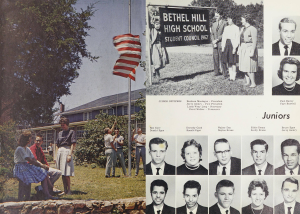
265,210
217,31
200,210
216,210
294,51
235,167
169,169
279,209
281,170
166,209
250,170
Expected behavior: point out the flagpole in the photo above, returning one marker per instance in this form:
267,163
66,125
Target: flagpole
129,104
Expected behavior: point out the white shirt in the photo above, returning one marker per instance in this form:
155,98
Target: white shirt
263,169
21,153
161,171
227,170
282,49
223,210
288,171
289,205
231,32
140,138
194,211
118,139
155,209
107,140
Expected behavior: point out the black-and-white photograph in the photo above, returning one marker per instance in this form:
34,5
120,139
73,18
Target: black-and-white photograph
257,194
192,155
286,192
160,194
288,148
257,153
224,195
192,194
286,75
286,36
205,47
224,155
160,155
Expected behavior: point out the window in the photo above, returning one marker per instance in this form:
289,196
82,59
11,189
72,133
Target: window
79,132
87,115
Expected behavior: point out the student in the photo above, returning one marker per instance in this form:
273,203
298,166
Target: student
140,140
110,151
118,143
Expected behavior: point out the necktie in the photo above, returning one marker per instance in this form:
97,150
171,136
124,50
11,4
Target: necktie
291,172
289,210
224,172
286,50
157,171
158,211
226,211
259,172
191,212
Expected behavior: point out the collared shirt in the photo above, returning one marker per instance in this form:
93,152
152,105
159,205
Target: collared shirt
227,170
107,140
288,171
223,210
282,49
140,138
118,139
188,211
231,32
263,169
38,154
155,210
161,171
289,205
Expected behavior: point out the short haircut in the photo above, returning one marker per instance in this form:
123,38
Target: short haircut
64,120
291,180
224,183
258,183
39,134
159,183
289,60
248,18
192,184
287,20
290,142
221,140
24,138
259,142
106,130
190,143
157,141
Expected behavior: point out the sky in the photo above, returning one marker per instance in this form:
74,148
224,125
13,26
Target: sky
95,78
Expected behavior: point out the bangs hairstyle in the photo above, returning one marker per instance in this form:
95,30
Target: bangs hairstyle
24,138
287,20
292,61
258,183
190,143
64,120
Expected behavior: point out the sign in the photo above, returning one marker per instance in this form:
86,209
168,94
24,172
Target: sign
180,27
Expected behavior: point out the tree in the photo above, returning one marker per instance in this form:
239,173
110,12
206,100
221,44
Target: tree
141,114
42,44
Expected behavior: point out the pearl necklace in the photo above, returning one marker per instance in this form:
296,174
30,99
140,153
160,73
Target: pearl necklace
192,168
287,89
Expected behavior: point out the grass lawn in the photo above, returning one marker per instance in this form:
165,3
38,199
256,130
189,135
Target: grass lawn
192,74
90,183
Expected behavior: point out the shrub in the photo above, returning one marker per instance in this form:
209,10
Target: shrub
49,158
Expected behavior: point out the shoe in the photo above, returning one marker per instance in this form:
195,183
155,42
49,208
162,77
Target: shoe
62,193
115,176
55,190
107,176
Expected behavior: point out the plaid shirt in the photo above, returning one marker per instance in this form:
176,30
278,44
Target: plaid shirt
38,154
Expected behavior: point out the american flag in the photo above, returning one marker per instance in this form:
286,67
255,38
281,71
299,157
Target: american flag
129,48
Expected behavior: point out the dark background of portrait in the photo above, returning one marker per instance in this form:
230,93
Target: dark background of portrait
213,180
234,141
247,159
245,184
170,196
181,180
275,67
202,140
278,199
277,149
170,151
275,28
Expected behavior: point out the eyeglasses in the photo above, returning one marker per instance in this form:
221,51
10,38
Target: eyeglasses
38,140
223,152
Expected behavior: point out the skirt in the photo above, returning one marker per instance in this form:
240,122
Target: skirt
66,168
247,58
159,56
29,173
227,56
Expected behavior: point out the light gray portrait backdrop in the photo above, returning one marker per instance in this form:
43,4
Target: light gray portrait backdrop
247,159
203,197
202,140
170,151
277,148
213,180
170,196
246,180
234,141
275,28
278,198
275,67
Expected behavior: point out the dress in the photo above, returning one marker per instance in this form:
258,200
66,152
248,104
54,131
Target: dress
266,210
64,141
159,55
280,90
248,55
230,42
24,171
183,170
